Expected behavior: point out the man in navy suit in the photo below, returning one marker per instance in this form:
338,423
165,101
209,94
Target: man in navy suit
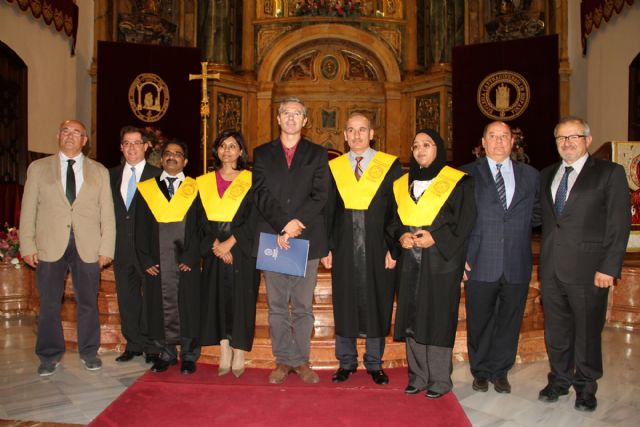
291,186
128,274
585,228
499,257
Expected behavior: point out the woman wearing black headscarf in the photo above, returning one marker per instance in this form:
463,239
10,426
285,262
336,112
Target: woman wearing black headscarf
435,215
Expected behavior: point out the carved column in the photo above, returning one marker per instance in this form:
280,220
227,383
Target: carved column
411,38
248,47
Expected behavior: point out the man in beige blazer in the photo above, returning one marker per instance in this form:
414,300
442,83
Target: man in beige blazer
67,223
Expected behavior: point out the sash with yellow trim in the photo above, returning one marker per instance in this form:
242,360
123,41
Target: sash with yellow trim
358,194
423,212
223,209
173,210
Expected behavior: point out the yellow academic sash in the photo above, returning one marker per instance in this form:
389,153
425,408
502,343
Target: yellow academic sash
225,208
424,212
172,210
358,194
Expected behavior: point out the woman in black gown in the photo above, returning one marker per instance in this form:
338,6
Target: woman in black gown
229,277
436,213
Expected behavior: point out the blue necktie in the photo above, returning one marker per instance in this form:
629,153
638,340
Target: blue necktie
563,188
502,192
170,188
131,188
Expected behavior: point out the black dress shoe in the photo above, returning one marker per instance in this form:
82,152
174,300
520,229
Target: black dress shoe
128,355
430,394
187,367
411,390
480,384
551,393
379,377
341,375
501,385
586,402
151,357
162,365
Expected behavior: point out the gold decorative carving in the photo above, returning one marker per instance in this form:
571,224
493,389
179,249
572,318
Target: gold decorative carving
329,67
149,97
428,111
391,36
266,36
300,68
229,108
503,95
358,67
268,7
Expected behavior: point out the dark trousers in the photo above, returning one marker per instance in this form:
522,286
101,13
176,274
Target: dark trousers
574,317
129,289
347,352
189,350
494,316
50,278
429,367
291,329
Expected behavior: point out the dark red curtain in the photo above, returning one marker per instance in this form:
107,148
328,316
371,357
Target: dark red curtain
536,60
119,64
63,14
592,12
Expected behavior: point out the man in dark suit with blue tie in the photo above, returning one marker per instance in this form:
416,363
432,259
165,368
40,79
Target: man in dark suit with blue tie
499,257
128,274
586,222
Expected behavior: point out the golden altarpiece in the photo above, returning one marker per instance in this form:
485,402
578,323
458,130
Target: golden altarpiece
387,58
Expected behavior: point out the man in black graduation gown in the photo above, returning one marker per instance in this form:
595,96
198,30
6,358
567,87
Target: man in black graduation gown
167,246
360,208
128,275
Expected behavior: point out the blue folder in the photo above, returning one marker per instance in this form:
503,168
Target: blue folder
292,261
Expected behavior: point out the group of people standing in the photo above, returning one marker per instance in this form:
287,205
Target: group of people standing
185,251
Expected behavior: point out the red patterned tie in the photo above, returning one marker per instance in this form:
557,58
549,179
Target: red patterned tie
358,170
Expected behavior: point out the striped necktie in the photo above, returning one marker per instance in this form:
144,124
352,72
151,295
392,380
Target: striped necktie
358,170
170,188
502,192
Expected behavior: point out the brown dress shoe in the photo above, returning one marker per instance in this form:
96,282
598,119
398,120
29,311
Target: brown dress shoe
278,375
306,374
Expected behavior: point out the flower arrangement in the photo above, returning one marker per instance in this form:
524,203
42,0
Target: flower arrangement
517,152
155,138
10,245
328,8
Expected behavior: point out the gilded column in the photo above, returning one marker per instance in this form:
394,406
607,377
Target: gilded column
248,45
411,37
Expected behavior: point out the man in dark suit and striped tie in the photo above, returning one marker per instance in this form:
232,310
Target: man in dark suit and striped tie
499,257
128,274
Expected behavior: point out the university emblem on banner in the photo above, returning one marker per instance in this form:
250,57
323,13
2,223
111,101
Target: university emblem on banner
503,95
149,97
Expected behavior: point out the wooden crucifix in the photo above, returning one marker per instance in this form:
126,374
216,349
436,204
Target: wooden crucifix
204,107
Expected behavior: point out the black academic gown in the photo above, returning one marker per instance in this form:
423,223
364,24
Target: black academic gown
429,279
230,292
172,298
362,289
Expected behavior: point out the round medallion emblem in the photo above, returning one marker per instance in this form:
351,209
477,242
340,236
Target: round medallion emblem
236,191
503,95
375,172
148,97
188,188
441,187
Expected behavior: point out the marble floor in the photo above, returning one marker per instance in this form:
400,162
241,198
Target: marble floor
75,395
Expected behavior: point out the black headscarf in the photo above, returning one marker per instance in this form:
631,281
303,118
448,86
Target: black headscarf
430,172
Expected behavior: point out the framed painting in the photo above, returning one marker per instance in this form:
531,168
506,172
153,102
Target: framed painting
627,154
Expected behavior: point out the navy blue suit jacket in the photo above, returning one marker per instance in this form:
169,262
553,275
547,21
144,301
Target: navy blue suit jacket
500,242
592,232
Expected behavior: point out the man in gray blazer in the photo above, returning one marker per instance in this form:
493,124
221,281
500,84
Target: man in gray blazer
586,220
499,257
67,224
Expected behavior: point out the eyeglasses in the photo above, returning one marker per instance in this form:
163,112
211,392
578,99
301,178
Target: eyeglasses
570,138
177,155
294,114
496,137
71,131
131,143
426,146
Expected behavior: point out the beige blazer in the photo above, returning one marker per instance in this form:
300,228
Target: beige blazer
47,217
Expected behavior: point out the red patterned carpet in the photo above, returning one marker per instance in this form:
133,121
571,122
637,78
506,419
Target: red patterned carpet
204,399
